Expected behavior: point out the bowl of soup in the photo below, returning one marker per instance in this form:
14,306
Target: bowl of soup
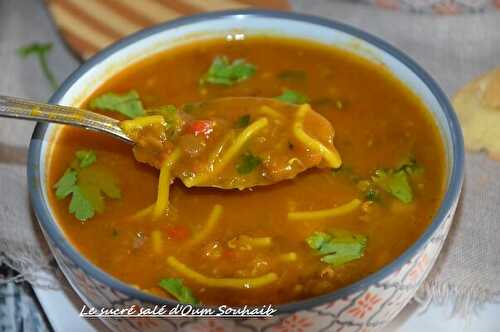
343,246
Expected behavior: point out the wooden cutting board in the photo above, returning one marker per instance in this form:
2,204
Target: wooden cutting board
90,25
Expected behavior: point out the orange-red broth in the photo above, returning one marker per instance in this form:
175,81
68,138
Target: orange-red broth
377,120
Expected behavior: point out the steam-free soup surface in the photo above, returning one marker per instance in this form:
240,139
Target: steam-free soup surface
299,238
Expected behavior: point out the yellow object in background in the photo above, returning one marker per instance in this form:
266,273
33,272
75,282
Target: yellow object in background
478,108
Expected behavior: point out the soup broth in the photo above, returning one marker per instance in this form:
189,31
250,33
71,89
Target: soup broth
254,246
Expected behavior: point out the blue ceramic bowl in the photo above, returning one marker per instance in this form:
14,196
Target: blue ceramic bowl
368,303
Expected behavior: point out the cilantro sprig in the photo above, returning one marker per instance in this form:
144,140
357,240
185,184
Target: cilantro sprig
293,97
394,182
128,104
40,50
339,247
176,288
397,181
224,72
86,183
86,157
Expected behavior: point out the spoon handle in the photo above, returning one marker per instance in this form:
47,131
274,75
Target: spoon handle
17,108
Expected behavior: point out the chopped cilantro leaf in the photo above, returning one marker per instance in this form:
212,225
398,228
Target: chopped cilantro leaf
342,257
248,163
34,48
86,157
395,183
93,195
243,121
40,50
293,97
176,288
87,183
316,240
222,72
292,75
128,104
80,206
96,181
66,184
338,248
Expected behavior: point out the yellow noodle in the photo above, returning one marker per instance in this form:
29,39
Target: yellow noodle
161,205
242,283
157,241
217,152
138,123
288,257
327,213
143,212
213,218
266,110
250,242
260,242
230,154
332,157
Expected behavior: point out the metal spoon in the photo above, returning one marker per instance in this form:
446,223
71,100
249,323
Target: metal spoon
18,108
24,109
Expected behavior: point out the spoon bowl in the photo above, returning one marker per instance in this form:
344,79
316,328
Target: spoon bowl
253,141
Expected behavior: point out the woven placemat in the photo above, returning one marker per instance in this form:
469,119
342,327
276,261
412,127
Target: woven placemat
90,25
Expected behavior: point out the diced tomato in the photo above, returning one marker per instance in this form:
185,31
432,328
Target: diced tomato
178,232
200,127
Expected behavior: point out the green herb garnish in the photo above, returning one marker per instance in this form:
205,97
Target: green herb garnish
248,163
395,183
223,72
176,288
66,184
40,50
97,182
128,104
86,183
243,121
293,97
338,248
86,157
80,206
